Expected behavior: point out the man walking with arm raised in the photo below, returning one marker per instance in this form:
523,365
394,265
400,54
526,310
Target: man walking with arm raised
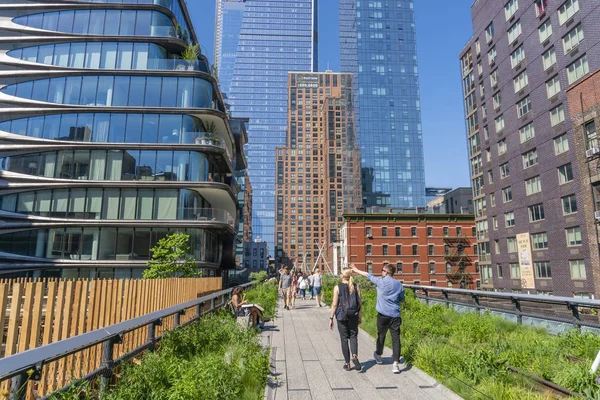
390,293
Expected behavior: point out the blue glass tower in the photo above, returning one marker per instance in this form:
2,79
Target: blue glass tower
378,45
274,37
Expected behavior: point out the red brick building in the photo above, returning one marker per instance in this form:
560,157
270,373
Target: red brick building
427,249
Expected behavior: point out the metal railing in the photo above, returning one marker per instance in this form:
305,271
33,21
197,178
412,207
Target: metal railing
555,313
205,214
28,370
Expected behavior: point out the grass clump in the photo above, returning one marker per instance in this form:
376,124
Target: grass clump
469,352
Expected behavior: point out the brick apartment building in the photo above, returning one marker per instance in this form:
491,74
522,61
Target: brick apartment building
427,249
318,172
584,100
525,172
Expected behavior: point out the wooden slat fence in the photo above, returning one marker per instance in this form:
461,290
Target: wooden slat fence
37,312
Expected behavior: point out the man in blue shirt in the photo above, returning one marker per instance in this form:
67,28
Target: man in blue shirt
390,293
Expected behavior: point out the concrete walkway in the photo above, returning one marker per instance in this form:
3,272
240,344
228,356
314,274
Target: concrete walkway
308,363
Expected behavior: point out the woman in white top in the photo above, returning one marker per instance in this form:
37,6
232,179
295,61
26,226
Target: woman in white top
317,282
302,285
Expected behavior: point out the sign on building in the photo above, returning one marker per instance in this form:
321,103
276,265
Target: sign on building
525,262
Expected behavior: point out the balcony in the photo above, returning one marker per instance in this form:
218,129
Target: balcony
177,65
206,215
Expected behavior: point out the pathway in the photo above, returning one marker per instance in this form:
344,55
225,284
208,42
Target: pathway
308,362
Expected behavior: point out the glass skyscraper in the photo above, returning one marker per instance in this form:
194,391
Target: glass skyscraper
378,45
258,42
110,141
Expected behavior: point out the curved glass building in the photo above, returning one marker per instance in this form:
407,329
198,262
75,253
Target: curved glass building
109,140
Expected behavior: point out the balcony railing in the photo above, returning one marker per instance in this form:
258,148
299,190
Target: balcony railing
177,65
205,214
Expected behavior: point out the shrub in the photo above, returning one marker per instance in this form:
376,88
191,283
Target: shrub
265,294
258,276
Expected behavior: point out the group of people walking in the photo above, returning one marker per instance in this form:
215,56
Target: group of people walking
295,284
346,309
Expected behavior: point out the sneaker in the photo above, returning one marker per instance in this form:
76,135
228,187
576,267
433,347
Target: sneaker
356,363
347,367
377,358
266,319
395,368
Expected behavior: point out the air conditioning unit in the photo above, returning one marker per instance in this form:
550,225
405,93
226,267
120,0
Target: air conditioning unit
369,236
592,152
597,215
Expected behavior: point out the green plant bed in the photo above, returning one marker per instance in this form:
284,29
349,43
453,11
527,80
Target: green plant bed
265,294
469,352
212,359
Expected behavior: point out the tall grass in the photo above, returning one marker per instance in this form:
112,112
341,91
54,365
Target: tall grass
469,352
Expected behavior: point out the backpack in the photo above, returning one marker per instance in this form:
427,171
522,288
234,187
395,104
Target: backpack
349,306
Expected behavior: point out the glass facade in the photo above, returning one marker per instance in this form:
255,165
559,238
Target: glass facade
96,175
284,32
106,55
378,45
117,91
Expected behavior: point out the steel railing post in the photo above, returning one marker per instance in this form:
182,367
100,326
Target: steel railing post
152,333
518,310
18,387
178,316
476,301
107,364
446,299
576,315
426,296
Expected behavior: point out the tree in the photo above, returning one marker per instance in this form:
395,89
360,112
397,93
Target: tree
170,259
191,52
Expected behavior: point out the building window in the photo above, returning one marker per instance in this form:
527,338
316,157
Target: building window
561,144
445,231
545,30
384,231
398,249
397,232
497,101
515,271
536,212
557,115
530,159
527,132
499,270
507,194
591,137
577,269
520,81
431,268
385,249
415,267
539,241
492,55
577,69
517,56
496,247
369,250
540,7
494,76
430,250
533,185
499,123
495,223
370,267
398,267
493,199
573,236
511,244
415,249
502,147
549,58
368,231
567,10
514,31
509,219
569,204
542,270
413,231
489,32
490,177
523,107
553,87
565,174
572,38
510,9
429,231
486,272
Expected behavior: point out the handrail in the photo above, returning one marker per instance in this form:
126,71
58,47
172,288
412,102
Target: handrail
513,302
32,359
538,298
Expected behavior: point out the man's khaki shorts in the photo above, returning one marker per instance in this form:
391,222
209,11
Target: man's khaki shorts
287,292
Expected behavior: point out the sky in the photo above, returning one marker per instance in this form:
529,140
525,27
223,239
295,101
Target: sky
444,138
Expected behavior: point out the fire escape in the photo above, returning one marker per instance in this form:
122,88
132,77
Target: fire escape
457,261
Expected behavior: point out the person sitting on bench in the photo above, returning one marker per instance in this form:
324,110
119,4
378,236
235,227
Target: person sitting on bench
242,308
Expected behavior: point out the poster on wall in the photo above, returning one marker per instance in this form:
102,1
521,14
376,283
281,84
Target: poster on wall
525,262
